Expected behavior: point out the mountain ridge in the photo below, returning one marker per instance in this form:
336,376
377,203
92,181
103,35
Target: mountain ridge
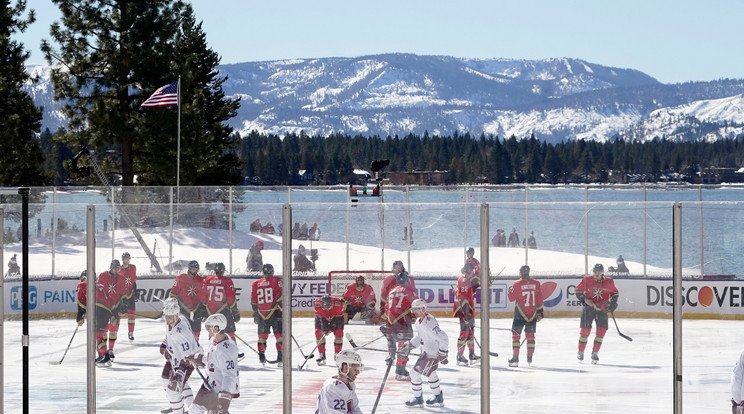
392,94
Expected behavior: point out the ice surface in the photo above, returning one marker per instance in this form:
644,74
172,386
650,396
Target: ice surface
631,377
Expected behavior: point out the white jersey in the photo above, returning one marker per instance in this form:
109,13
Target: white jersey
181,342
429,336
337,397
737,380
222,366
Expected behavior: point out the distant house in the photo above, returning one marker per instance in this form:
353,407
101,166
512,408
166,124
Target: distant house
305,176
715,175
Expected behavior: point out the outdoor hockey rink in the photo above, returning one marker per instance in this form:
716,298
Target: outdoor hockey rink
630,377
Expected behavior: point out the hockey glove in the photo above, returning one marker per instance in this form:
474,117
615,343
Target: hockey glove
176,381
442,357
540,315
164,351
235,314
223,402
196,360
385,330
255,317
613,304
406,348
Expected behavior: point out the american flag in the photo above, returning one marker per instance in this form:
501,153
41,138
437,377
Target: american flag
165,96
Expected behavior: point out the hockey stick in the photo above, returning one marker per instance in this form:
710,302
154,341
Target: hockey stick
382,385
68,348
299,367
355,346
618,329
156,317
249,346
382,350
160,311
300,348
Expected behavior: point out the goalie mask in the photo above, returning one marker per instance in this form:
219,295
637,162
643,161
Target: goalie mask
219,320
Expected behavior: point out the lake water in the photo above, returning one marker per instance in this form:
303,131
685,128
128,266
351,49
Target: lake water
632,221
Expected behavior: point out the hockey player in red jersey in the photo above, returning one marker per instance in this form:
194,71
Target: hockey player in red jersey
187,289
108,303
528,311
82,298
266,300
129,294
329,317
360,298
599,295
464,309
218,296
390,282
398,328
472,260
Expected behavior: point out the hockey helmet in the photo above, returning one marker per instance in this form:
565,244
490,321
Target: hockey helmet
219,320
259,244
418,304
524,270
399,263
347,356
470,250
468,268
301,249
326,302
170,307
114,264
219,268
268,269
194,265
84,275
402,278
126,255
598,267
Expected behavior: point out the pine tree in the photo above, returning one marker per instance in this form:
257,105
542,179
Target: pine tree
111,56
21,158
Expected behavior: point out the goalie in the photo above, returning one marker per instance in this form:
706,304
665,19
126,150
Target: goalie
360,298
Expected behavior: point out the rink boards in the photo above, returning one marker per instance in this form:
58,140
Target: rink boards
650,298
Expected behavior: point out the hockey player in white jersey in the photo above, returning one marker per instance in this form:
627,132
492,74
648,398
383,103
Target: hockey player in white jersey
434,345
338,394
179,347
222,370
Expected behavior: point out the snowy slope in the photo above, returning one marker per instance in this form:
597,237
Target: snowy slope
555,99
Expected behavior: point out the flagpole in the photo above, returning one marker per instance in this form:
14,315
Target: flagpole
178,158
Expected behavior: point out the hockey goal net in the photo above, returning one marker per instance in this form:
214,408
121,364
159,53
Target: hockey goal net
338,280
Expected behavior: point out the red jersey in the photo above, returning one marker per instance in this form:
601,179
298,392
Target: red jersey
218,294
360,298
188,291
82,294
476,265
527,298
130,277
399,304
336,310
387,285
113,286
600,292
266,296
464,292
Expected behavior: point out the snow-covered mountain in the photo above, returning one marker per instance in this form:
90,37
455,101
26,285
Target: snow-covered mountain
397,94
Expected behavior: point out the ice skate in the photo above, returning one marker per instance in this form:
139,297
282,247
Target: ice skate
262,358
167,410
131,336
111,355
595,358
514,361
415,402
529,360
279,362
580,356
474,358
389,360
103,360
461,360
401,374
241,356
436,400
321,359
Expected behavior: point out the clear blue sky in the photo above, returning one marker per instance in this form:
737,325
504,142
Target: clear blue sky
671,40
